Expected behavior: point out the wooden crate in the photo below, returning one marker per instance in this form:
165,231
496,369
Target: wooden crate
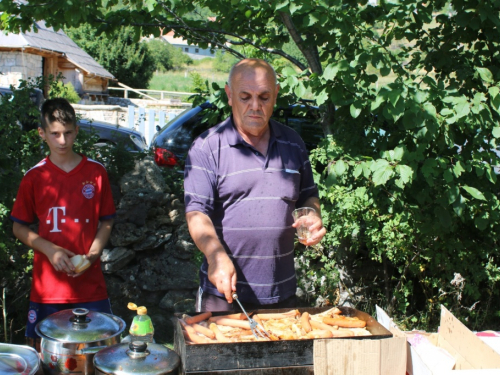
293,357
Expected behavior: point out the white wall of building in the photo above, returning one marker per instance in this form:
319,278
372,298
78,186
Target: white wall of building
18,65
195,52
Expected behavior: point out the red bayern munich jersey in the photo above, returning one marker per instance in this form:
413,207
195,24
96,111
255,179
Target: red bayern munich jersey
68,207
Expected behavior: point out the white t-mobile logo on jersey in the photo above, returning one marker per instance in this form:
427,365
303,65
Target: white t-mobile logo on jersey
55,216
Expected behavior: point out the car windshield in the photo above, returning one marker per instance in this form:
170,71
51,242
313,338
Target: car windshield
185,134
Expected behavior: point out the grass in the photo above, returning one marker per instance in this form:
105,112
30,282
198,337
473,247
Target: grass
181,79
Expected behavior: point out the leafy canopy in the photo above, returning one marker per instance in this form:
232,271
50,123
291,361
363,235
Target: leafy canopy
409,98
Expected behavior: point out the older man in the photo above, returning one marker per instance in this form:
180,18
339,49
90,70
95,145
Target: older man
243,179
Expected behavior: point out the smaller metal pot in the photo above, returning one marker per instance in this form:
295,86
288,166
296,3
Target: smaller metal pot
137,357
19,359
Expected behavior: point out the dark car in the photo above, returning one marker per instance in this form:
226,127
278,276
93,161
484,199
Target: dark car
36,95
109,134
171,143
26,121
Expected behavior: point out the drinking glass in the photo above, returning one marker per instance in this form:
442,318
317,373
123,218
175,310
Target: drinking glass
305,216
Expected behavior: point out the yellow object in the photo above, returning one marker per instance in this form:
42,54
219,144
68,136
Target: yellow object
141,327
132,306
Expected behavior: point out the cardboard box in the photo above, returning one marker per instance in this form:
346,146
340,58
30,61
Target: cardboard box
454,350
355,357
385,356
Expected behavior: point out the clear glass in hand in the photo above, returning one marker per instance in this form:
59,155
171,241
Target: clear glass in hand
305,216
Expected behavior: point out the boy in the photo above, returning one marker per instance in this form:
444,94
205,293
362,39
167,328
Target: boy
70,196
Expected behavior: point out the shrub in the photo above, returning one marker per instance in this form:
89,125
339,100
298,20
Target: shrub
64,90
223,61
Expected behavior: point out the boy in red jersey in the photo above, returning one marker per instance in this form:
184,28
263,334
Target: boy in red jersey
70,197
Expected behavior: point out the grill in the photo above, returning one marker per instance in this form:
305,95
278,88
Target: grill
292,357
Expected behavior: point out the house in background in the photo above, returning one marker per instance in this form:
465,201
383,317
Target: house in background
192,50
33,54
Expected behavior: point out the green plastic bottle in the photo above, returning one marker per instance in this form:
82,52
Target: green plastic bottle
141,328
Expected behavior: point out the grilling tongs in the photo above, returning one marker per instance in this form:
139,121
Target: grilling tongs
256,328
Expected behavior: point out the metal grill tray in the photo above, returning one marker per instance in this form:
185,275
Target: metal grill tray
261,354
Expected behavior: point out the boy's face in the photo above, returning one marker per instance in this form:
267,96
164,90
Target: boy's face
60,138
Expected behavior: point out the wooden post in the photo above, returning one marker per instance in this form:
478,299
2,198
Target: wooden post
142,116
131,116
150,130
161,118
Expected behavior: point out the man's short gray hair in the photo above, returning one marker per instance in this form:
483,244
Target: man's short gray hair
233,68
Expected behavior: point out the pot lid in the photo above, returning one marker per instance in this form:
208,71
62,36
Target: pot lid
80,326
136,357
18,359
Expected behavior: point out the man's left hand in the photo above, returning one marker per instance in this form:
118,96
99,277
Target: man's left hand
317,231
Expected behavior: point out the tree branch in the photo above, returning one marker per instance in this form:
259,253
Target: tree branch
310,52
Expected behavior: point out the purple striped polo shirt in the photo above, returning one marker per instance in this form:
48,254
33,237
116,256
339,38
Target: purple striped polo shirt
250,199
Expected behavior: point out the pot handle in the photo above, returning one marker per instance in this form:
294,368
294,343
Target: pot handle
90,350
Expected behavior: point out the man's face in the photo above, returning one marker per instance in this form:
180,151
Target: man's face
60,138
252,96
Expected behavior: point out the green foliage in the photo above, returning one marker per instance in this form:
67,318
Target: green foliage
223,62
160,52
408,175
406,170
198,83
165,56
64,90
118,52
179,58
21,151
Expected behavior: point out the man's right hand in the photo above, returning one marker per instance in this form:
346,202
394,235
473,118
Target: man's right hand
221,271
222,274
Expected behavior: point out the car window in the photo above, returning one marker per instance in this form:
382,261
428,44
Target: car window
305,124
189,130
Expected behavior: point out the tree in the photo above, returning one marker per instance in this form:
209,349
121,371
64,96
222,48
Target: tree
166,56
410,105
160,53
223,61
119,52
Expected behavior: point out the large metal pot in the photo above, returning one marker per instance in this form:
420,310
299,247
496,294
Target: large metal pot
70,339
136,357
19,359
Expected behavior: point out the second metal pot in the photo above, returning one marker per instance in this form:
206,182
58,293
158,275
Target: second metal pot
70,339
136,357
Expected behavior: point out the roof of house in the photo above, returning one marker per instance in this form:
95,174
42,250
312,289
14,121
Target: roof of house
172,39
49,40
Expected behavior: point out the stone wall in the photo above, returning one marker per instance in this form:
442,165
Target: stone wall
113,114
149,257
18,65
116,110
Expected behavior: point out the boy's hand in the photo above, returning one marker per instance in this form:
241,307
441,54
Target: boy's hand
60,260
81,267
93,255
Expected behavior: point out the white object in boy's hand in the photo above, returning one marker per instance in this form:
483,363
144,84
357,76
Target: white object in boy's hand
80,262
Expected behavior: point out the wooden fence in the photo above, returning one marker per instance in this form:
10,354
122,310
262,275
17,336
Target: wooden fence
145,120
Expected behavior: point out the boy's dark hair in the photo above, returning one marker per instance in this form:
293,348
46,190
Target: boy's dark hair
58,109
